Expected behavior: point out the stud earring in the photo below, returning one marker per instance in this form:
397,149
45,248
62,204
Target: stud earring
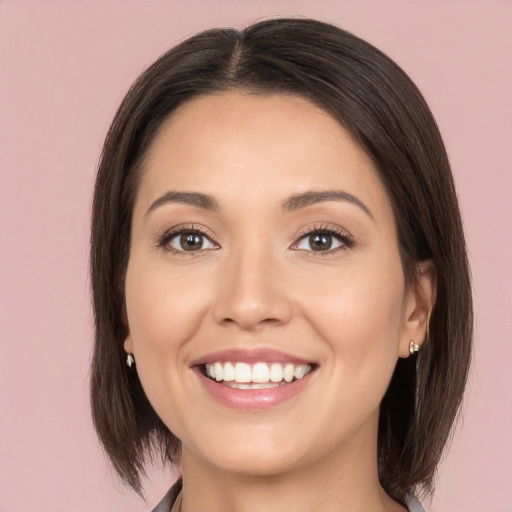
413,347
130,361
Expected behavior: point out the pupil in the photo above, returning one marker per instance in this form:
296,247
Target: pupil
320,242
191,241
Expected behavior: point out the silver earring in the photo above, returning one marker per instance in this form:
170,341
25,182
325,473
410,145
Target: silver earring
130,361
413,347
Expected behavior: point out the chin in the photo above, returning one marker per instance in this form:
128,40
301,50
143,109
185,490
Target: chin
255,463
253,453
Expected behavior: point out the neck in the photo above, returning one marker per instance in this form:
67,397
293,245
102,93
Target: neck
345,479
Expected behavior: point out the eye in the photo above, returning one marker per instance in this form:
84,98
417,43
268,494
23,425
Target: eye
319,242
186,240
324,239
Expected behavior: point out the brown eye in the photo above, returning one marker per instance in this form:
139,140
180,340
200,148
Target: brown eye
323,240
320,242
189,241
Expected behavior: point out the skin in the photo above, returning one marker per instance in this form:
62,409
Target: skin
257,282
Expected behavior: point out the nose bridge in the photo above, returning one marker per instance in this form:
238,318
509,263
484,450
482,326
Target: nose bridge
250,292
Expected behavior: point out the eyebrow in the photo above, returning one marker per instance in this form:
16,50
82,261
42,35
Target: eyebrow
293,203
193,198
313,197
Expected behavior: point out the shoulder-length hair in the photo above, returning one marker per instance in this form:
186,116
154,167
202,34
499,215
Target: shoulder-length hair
375,100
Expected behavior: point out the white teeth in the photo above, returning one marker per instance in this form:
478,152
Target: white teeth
259,376
264,385
260,372
219,372
299,372
276,372
289,370
229,372
242,372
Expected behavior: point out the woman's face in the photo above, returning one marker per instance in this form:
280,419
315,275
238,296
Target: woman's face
264,250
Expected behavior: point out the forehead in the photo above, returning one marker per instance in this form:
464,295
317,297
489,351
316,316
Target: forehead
257,146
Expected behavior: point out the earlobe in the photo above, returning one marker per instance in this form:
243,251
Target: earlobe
420,303
128,345
128,348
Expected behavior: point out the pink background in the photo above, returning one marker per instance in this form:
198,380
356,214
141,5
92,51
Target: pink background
64,67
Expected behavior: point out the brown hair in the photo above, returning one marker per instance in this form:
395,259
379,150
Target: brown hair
374,99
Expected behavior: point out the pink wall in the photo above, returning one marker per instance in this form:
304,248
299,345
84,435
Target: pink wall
65,67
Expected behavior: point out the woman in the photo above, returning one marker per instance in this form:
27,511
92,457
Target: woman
280,283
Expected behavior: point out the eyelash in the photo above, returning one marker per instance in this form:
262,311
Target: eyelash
347,241
163,241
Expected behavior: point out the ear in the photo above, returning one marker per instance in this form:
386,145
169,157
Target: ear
419,302
128,343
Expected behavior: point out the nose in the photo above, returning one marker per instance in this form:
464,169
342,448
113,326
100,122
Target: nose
251,293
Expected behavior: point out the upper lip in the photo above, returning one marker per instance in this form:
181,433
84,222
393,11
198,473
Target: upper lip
249,356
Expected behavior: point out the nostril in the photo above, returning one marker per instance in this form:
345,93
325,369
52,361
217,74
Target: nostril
250,306
251,323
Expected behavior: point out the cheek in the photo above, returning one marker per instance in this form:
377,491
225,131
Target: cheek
360,316
165,311
163,308
358,306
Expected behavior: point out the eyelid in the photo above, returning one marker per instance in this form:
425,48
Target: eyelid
347,240
168,235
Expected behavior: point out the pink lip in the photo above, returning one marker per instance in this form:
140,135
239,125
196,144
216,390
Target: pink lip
252,399
249,356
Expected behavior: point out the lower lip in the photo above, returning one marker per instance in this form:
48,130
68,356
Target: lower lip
253,399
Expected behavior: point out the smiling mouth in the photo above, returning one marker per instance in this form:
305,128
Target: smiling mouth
260,375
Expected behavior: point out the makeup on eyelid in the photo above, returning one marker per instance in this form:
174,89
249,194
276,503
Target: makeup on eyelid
322,233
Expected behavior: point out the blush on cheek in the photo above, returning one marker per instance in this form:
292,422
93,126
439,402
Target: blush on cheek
162,311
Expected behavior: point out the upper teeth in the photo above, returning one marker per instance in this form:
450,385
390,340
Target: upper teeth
258,372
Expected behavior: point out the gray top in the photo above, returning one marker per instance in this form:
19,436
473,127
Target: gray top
174,492
414,505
